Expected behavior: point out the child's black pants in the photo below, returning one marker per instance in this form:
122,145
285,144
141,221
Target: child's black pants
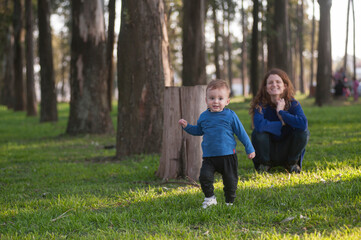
227,167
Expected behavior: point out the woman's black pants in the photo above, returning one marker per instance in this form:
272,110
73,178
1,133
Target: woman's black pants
285,152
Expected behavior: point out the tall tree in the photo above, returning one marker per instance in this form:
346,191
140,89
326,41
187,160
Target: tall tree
324,66
166,56
271,35
141,78
31,105
48,102
216,49
301,45
7,43
254,50
312,50
110,48
346,41
354,39
89,110
229,15
282,51
244,75
194,56
19,84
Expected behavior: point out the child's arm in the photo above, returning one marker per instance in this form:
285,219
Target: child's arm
191,129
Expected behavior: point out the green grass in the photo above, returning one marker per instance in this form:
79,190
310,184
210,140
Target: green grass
55,186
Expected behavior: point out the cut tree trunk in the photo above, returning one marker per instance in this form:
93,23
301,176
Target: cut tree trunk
181,152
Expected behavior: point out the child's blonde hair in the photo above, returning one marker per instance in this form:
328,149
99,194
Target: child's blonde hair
217,84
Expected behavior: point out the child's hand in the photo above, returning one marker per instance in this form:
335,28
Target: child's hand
251,155
183,123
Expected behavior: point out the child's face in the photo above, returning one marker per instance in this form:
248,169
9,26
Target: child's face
217,99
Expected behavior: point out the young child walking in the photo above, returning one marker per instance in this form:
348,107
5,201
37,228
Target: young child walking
218,125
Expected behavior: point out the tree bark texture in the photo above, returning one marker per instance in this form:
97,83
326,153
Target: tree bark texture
8,94
31,106
89,110
181,152
166,58
194,55
254,50
48,102
282,51
216,40
346,40
110,48
354,43
324,66
312,85
140,78
301,45
244,75
271,35
19,84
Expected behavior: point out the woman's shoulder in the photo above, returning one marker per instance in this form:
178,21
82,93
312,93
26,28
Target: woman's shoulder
295,103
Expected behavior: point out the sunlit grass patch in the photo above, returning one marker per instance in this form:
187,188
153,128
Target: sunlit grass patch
55,186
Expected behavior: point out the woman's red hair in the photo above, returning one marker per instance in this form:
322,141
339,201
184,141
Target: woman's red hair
262,97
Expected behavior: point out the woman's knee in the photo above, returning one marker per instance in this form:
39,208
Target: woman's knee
301,136
260,137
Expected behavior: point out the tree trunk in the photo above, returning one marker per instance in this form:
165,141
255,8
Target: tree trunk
166,58
346,41
262,35
7,94
31,106
181,152
194,55
229,52
89,110
282,52
216,40
244,74
110,48
254,50
301,47
48,102
354,38
271,35
141,78
312,85
324,66
19,88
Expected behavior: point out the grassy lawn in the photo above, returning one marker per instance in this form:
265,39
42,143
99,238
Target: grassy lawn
55,186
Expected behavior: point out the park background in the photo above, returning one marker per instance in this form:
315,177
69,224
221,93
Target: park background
81,119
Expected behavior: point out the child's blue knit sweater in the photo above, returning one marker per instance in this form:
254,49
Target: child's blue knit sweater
218,129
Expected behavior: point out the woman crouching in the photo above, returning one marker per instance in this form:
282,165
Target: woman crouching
280,132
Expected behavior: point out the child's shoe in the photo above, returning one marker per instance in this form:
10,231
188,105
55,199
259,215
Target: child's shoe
229,204
209,201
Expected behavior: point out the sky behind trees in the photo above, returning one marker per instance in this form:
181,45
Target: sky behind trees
338,26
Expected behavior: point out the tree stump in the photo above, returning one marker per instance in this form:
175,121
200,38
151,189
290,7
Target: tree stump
181,152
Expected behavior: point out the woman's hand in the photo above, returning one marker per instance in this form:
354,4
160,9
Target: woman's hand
281,104
183,123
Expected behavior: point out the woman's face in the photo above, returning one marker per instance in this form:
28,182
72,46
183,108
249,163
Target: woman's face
275,86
